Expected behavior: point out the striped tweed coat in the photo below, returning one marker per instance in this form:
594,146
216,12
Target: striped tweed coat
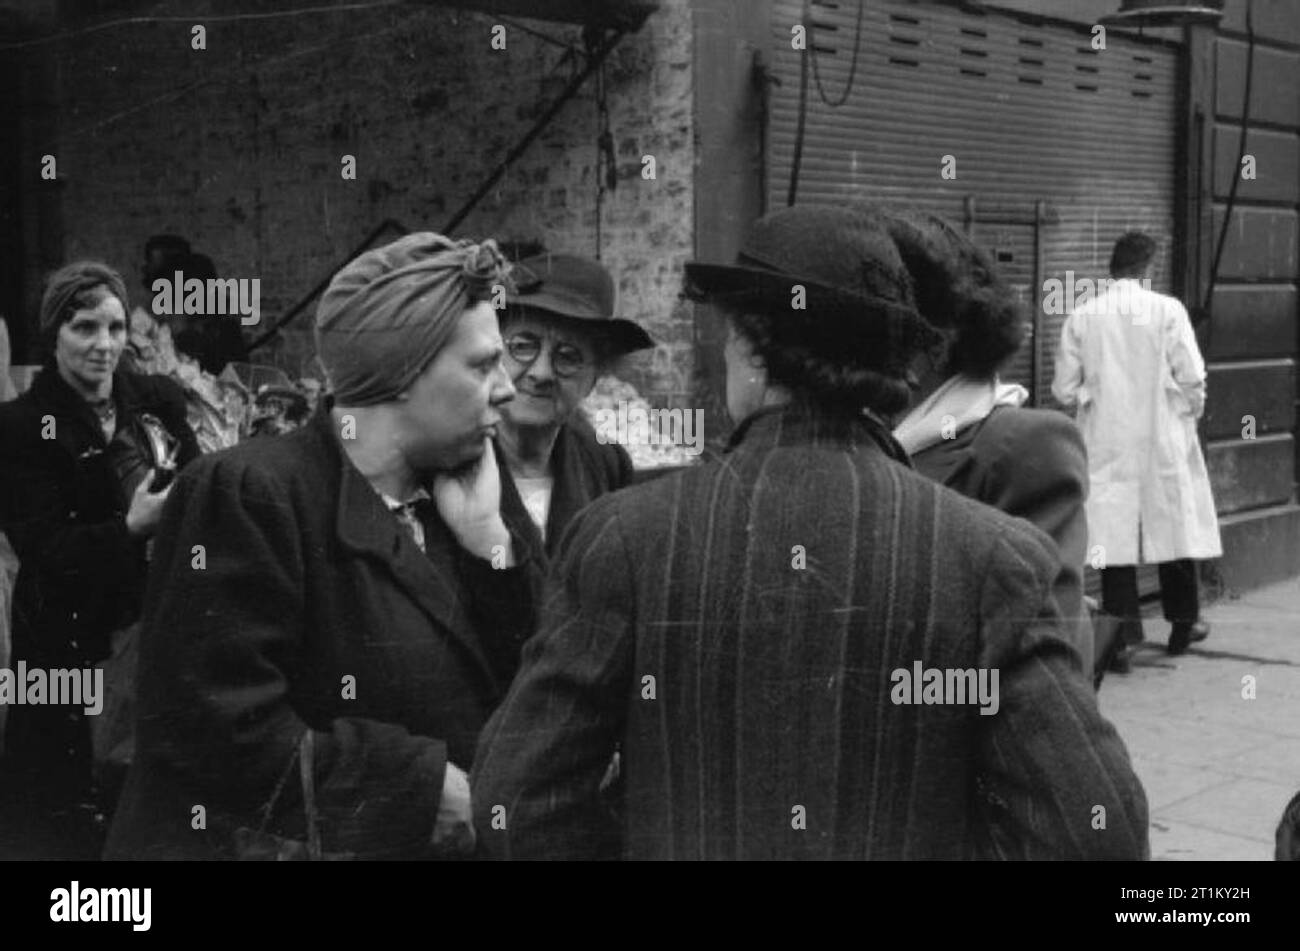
738,627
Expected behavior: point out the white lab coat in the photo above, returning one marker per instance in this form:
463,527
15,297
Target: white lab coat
1128,358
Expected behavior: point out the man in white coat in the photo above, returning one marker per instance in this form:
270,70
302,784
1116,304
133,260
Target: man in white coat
1128,359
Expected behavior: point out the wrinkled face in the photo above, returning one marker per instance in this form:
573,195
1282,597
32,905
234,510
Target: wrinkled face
454,405
552,364
89,344
746,382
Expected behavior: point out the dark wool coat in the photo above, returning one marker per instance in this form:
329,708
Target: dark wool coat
583,470
1030,463
314,609
81,575
755,699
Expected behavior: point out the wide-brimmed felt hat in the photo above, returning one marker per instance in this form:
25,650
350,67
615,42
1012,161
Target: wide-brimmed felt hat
839,263
567,285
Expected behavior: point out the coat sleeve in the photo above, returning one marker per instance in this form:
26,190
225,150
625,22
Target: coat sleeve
610,460
1055,781
503,601
622,470
223,661
173,412
1068,379
1185,363
542,755
1039,472
36,508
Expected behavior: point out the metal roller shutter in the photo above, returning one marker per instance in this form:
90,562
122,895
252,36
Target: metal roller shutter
1031,113
1027,108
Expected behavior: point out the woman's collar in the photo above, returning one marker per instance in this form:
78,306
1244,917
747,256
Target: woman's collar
803,422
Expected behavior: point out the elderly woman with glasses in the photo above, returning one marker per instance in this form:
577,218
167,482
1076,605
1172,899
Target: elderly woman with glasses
560,335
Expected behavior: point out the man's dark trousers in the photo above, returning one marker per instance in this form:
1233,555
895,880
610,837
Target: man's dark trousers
1179,596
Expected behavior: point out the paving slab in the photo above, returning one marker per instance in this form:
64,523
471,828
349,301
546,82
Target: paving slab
1215,733
1184,842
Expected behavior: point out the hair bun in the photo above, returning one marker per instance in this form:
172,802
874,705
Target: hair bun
990,328
958,288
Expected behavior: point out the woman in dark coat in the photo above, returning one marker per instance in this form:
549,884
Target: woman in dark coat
560,335
968,430
749,629
77,507
360,605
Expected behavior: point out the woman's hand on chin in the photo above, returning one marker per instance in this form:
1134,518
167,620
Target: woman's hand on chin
469,501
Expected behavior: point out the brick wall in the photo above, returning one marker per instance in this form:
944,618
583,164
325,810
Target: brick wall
239,148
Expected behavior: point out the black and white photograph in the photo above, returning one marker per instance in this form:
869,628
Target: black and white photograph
651,430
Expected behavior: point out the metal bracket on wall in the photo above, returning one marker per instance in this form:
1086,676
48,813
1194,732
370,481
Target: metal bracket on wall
598,49
1044,212
762,78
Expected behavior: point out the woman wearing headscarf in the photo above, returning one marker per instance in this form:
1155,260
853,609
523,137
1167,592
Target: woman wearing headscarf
749,629
560,336
77,502
968,430
318,686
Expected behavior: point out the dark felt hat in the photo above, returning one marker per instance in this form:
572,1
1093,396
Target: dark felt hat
839,262
578,288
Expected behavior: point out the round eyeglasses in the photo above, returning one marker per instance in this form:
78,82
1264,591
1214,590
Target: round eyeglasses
566,359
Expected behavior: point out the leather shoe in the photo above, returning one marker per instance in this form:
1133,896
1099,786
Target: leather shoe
1183,635
1121,662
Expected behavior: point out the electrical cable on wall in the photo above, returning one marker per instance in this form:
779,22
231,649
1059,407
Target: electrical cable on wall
810,52
207,18
853,64
544,37
233,73
797,157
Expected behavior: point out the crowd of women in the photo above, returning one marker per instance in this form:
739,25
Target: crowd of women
440,620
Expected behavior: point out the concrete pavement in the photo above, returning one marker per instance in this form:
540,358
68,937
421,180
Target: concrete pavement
1218,768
